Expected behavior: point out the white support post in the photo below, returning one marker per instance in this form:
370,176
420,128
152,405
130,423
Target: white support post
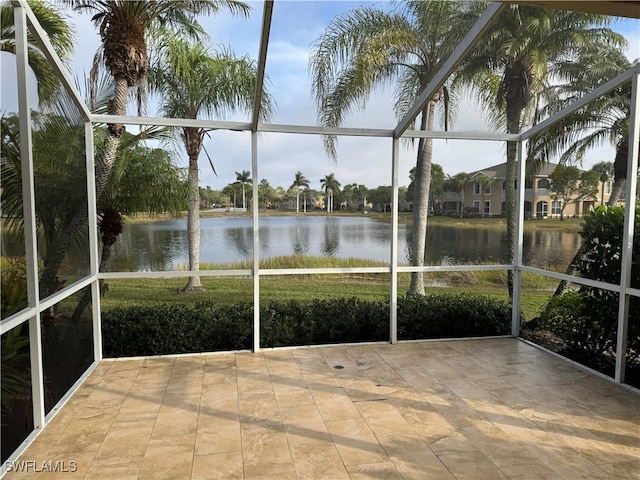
29,215
629,225
256,243
92,218
393,297
519,240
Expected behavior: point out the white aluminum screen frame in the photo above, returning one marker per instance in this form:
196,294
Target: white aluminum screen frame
24,19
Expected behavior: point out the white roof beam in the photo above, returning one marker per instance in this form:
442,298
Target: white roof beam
262,61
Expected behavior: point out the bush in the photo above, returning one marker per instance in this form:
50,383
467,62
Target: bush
206,327
567,317
587,320
176,328
452,316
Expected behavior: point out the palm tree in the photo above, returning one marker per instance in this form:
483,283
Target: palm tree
243,179
367,48
165,191
61,35
331,186
298,182
511,66
458,183
606,120
193,83
124,26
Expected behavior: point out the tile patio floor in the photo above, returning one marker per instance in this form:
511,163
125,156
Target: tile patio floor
476,409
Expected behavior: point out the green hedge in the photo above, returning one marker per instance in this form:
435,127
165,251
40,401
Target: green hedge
207,327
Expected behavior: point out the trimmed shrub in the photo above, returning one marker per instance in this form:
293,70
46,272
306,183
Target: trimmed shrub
587,320
567,317
207,327
452,316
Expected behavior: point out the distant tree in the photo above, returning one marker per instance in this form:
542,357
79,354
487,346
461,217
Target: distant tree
381,197
299,181
458,183
243,179
331,187
605,172
569,184
267,195
354,195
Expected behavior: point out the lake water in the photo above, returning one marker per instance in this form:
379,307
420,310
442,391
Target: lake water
162,245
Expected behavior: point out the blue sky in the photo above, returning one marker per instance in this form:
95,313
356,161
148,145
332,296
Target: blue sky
295,26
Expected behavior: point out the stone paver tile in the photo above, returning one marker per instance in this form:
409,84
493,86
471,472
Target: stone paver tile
304,424
218,441
374,471
383,419
218,466
318,460
265,451
472,465
355,442
413,458
123,445
168,458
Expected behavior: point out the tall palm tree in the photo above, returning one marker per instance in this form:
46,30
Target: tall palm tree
243,179
368,48
299,182
194,83
124,26
61,35
606,120
331,187
512,65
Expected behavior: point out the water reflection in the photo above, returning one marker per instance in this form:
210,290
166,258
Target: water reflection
163,245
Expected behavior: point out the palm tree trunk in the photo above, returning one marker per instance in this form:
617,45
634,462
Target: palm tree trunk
421,196
86,296
513,126
194,145
117,106
617,191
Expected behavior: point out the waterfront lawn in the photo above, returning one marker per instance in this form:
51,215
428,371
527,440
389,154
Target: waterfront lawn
373,287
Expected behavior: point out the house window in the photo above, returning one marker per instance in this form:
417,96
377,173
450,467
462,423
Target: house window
476,206
487,206
487,189
542,209
556,207
607,188
476,188
543,184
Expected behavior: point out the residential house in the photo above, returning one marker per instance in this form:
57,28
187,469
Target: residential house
540,201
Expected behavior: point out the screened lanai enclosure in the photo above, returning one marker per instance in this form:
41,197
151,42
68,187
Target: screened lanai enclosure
491,374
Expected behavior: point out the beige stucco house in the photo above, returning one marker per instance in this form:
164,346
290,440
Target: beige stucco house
540,201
